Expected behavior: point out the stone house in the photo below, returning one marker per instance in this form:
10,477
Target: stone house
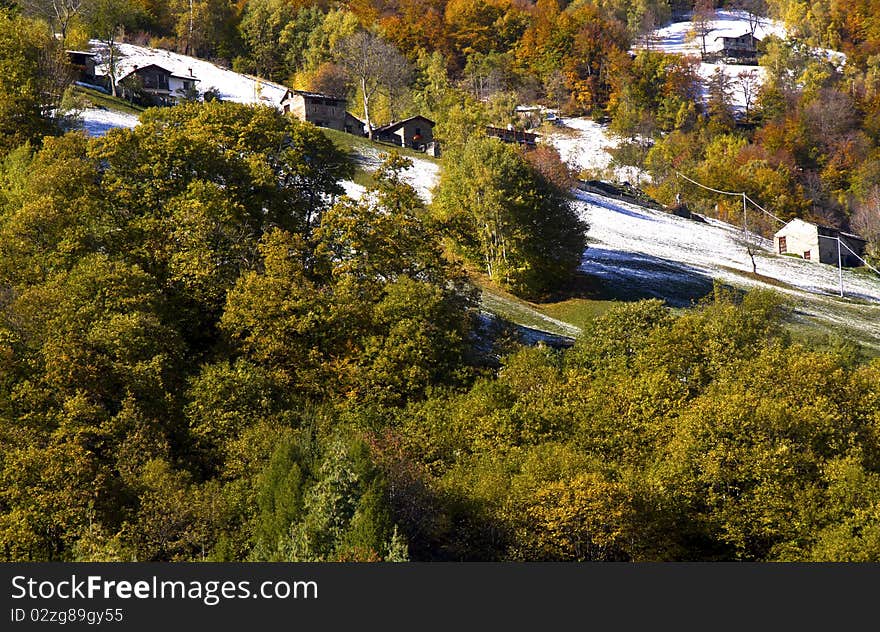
319,109
819,243
743,47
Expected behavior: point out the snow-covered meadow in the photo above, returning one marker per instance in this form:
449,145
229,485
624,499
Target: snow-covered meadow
635,251
584,144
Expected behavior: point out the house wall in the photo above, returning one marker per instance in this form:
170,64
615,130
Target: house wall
800,237
319,111
295,105
409,130
154,79
821,243
828,247
743,43
325,113
353,125
177,87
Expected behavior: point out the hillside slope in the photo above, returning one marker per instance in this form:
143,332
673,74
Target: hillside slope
634,252
638,252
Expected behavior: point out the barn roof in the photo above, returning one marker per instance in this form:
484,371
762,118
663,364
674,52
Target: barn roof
311,95
395,125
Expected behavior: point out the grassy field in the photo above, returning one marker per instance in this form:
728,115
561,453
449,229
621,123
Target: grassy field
101,100
815,319
365,153
364,146
564,316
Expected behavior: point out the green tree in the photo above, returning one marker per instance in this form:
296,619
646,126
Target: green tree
28,93
507,219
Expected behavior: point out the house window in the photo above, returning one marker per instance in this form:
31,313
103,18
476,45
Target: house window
782,247
807,255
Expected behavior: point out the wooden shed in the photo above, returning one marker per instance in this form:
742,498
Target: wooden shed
415,132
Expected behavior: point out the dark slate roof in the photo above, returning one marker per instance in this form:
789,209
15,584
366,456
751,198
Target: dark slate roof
395,125
137,70
311,95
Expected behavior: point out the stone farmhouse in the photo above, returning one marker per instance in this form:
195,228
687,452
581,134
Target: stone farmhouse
819,243
743,48
319,109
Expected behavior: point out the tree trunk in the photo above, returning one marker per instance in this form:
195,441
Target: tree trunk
367,108
111,68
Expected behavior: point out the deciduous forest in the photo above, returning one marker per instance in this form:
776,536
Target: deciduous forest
209,352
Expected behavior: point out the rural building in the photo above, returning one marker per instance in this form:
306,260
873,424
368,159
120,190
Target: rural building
354,125
319,109
160,84
819,243
83,63
742,48
416,132
510,135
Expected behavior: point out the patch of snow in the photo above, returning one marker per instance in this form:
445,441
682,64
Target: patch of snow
97,121
352,189
583,144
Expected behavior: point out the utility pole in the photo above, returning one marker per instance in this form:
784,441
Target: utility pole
840,266
745,220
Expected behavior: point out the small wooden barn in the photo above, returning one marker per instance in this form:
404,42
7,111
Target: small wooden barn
83,62
415,132
743,47
819,243
354,125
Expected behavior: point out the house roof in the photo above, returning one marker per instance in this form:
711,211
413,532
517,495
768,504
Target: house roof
395,125
311,95
733,37
136,70
187,77
81,52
